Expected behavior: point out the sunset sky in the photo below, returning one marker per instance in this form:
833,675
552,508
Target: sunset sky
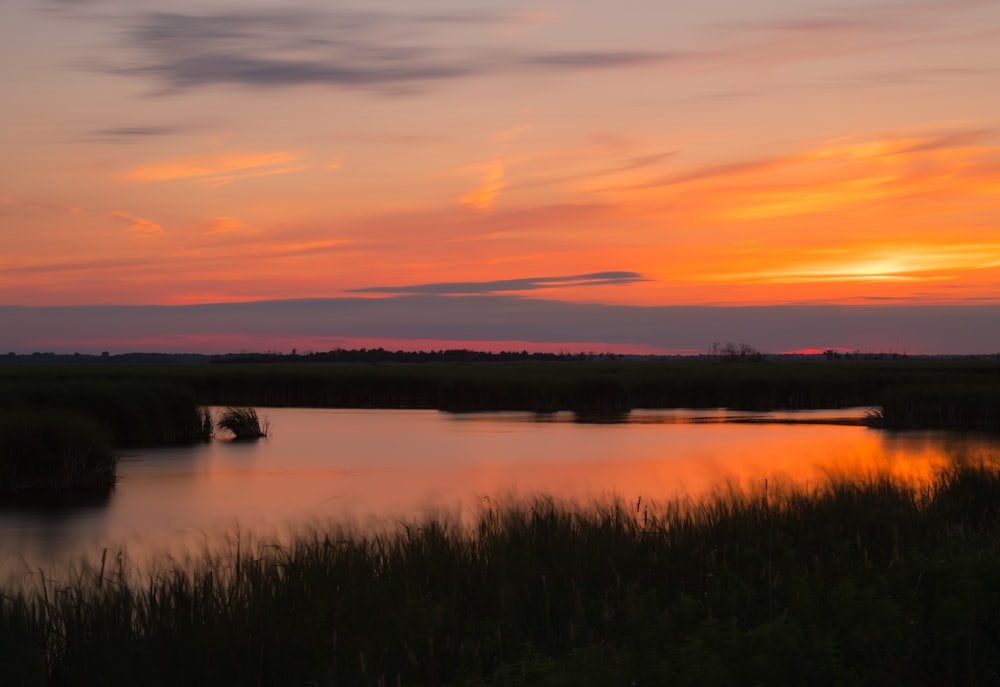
453,164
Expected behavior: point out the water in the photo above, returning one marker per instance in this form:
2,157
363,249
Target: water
374,466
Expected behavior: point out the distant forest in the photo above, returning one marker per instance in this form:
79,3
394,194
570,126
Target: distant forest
723,352
362,355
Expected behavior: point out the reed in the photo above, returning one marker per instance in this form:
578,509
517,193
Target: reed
943,406
135,410
54,451
242,423
852,582
951,388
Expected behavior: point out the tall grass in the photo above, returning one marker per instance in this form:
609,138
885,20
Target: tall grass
57,432
587,387
242,423
943,406
852,583
54,451
134,410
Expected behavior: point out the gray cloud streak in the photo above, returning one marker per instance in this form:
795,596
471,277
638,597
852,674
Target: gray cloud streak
351,49
508,285
130,134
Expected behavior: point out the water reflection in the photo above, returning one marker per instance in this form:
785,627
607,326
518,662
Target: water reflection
363,464
683,416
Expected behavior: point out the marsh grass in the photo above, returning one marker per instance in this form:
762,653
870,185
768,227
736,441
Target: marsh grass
853,582
950,393
944,406
133,410
54,451
242,423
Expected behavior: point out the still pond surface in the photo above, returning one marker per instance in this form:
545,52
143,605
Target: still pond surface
376,466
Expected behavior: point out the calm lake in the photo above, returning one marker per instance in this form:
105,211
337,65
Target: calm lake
375,466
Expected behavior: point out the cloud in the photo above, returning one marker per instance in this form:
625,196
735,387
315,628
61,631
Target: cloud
21,204
218,169
356,49
509,285
103,265
864,29
845,173
509,134
596,60
484,196
912,262
130,134
136,224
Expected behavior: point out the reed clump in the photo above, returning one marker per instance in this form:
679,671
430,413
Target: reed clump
44,452
853,582
242,423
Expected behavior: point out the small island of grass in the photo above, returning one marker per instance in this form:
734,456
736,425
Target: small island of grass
242,423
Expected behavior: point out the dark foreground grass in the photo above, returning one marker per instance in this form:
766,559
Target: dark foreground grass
857,583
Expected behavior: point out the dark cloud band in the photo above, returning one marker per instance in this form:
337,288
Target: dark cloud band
509,285
371,50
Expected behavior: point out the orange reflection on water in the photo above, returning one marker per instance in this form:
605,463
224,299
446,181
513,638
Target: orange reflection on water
375,467
687,464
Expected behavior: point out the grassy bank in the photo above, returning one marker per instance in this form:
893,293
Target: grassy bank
854,583
133,409
54,451
58,432
944,406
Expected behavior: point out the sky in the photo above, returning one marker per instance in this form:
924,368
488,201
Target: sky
543,175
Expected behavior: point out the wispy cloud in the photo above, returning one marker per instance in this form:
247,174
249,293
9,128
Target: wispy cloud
843,173
510,285
15,204
218,169
876,27
131,134
914,263
509,134
484,196
139,225
355,49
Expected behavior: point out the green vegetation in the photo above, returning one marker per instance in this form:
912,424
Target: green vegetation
242,423
856,583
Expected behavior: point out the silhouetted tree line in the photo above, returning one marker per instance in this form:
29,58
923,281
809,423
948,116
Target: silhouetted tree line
380,355
733,352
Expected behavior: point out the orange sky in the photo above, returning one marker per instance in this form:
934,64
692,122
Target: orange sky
763,153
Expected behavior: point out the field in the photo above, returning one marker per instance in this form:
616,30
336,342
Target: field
855,583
